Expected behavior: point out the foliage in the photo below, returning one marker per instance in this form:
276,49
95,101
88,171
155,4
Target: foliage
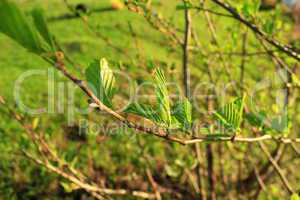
231,114
111,156
101,80
16,25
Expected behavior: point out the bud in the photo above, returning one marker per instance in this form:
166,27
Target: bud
2,100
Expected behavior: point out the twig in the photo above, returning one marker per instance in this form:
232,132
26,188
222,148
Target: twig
212,30
156,21
185,56
153,184
259,180
277,167
156,130
201,8
210,161
89,188
295,148
187,85
284,48
72,179
243,62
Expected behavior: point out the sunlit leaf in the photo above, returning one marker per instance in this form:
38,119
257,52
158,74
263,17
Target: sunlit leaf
231,114
15,25
295,197
143,110
162,96
41,25
183,113
101,80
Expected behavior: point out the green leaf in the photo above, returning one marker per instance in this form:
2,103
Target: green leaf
162,113
231,114
15,25
295,197
256,119
68,187
41,25
162,96
269,27
183,113
250,9
172,171
184,5
144,111
101,80
281,123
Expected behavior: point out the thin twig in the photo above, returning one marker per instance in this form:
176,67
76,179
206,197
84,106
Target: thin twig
243,62
153,184
284,48
185,56
210,161
156,130
277,167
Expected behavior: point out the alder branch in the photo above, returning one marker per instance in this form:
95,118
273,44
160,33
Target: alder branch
88,187
284,48
212,30
155,131
276,167
155,21
48,156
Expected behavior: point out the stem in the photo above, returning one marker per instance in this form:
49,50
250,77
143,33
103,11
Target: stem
243,62
210,161
276,167
288,50
185,58
187,85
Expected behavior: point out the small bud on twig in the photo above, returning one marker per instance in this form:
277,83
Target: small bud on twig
94,105
2,100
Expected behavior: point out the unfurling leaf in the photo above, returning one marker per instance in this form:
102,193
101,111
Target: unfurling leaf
295,197
143,111
183,113
101,80
162,96
35,123
230,115
69,187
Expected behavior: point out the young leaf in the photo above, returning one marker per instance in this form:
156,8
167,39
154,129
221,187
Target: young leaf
184,6
15,25
256,119
295,196
183,113
143,111
101,80
41,26
231,114
162,96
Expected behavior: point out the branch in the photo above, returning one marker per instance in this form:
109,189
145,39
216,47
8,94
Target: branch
88,187
277,168
284,48
63,168
185,48
242,139
156,21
